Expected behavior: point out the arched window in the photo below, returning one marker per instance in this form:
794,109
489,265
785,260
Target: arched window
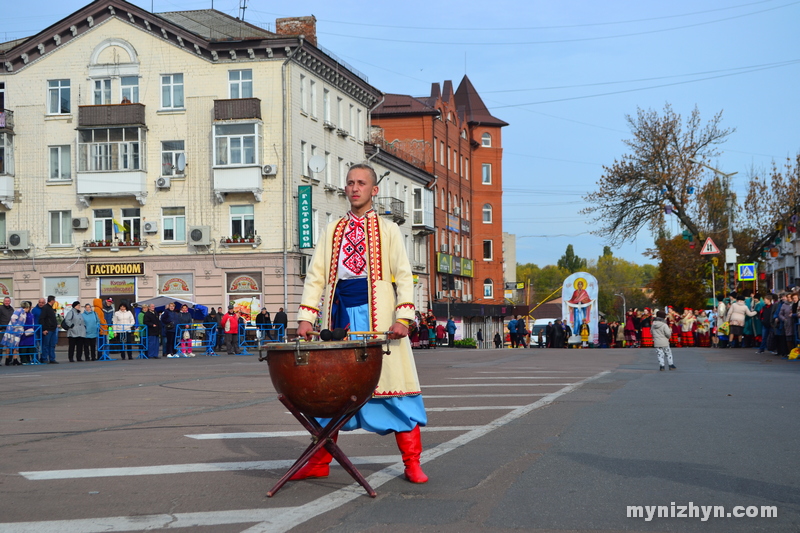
486,140
487,213
488,288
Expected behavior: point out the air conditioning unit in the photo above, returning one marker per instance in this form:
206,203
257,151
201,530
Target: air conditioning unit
457,249
18,240
80,223
164,182
457,211
439,295
328,125
150,227
458,284
444,248
200,235
269,170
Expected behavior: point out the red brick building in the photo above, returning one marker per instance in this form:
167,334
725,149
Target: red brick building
456,139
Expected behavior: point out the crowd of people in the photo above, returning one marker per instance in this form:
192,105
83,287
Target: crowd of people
98,330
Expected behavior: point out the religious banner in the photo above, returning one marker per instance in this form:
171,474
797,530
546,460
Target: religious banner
579,303
304,215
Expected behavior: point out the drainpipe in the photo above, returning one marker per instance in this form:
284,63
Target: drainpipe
286,197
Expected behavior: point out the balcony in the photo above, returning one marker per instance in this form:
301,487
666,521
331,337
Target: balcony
7,191
236,241
237,179
390,207
113,183
111,115
237,109
7,120
115,245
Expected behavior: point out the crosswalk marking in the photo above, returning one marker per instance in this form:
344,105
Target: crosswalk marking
495,385
282,434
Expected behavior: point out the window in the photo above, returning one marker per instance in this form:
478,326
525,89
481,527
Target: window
235,144
487,173
352,127
466,213
3,242
342,173
326,105
303,159
466,167
303,95
441,152
173,220
107,149
448,158
60,168
359,130
340,111
170,150
240,83
6,153
435,144
58,97
487,213
242,221
130,89
172,91
487,250
315,225
312,96
102,92
488,288
60,227
131,224
328,171
103,225
486,140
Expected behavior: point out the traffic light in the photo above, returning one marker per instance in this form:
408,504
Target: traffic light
732,281
445,282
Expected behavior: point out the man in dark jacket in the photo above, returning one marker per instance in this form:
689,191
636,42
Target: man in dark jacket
765,315
281,318
169,319
49,324
153,331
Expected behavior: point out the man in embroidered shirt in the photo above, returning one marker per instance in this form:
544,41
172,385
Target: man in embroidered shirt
352,273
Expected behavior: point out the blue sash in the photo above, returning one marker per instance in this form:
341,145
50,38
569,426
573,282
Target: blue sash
349,293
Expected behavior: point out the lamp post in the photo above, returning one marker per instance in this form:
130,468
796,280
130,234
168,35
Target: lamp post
624,306
730,251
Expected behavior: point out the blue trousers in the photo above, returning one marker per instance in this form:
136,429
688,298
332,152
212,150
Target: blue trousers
765,330
152,346
49,342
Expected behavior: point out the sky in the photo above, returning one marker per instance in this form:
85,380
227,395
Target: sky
564,75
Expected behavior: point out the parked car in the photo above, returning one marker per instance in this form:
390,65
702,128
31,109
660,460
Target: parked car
540,325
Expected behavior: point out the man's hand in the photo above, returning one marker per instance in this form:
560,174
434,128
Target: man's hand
398,331
304,330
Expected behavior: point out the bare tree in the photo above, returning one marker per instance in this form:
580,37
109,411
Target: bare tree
657,178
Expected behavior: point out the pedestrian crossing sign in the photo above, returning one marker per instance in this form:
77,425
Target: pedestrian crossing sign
747,271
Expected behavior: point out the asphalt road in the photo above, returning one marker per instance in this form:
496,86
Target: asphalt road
518,440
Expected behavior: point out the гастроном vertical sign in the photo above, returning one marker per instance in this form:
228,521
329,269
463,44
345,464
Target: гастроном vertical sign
304,226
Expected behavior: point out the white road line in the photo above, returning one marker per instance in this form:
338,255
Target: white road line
190,468
524,377
282,519
472,408
273,434
496,385
520,370
298,515
513,395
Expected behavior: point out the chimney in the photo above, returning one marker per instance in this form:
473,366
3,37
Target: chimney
305,26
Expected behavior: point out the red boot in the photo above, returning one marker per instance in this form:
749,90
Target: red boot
410,444
317,466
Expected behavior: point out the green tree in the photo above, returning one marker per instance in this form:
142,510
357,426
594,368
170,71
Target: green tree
571,262
617,276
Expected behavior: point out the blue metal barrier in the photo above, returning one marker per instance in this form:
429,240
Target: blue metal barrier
203,336
37,343
136,341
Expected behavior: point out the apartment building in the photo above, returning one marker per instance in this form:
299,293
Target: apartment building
186,153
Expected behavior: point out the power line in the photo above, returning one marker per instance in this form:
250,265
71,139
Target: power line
787,63
529,28
556,41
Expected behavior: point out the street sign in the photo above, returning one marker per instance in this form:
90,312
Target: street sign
709,248
746,271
